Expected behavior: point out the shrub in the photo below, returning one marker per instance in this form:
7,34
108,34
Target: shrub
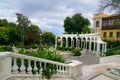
34,46
1,49
109,53
76,52
46,54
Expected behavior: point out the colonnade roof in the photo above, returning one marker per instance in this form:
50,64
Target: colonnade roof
79,35
94,36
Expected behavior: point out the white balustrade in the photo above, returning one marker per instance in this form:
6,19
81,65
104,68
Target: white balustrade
28,64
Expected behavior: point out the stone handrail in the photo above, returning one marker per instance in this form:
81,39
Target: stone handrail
9,66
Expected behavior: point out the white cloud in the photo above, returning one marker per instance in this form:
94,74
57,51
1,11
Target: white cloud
47,14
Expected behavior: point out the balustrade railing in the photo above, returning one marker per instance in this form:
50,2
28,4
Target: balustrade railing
22,64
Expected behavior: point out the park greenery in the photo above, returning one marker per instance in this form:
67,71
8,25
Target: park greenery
76,24
26,35
23,33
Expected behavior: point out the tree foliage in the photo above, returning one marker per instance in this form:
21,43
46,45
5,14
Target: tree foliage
75,23
48,38
12,33
86,29
113,5
29,33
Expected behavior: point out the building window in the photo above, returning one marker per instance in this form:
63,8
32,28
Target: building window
111,34
104,23
110,22
117,21
104,34
97,24
118,34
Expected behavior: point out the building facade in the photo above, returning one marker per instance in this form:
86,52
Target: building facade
97,22
107,26
111,28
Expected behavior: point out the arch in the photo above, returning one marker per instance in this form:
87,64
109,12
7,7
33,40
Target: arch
97,24
69,42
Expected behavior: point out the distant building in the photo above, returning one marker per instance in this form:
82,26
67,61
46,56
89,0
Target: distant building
107,26
97,22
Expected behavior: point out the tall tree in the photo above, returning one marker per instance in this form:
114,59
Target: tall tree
23,22
75,23
113,5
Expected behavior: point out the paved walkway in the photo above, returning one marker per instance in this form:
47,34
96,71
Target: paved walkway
87,58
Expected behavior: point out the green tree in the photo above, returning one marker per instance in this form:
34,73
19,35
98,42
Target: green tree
3,22
3,36
24,23
75,23
113,5
48,38
86,29
33,34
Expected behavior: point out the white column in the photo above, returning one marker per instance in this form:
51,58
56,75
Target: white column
66,42
90,45
76,42
103,48
71,42
94,46
55,41
61,42
86,44
98,48
81,42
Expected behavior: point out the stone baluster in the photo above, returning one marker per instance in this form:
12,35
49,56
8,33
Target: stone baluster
45,65
35,68
57,69
64,70
29,69
40,71
22,67
14,67
61,70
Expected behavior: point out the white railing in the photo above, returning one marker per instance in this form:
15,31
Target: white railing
29,65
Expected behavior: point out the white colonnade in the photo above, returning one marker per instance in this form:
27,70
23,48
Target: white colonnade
91,42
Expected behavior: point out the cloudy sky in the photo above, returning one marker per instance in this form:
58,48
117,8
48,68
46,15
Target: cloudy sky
49,15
